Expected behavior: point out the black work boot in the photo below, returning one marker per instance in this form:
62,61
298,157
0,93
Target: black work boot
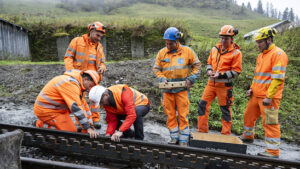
246,140
173,141
266,154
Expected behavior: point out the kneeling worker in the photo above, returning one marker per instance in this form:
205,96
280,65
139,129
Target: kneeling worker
121,102
62,96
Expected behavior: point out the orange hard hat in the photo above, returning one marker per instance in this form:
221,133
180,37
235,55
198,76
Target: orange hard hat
98,26
228,30
94,75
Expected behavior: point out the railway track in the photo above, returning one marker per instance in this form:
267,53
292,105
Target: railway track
138,152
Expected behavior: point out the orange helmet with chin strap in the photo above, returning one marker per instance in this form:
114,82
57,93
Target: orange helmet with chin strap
228,30
98,26
94,75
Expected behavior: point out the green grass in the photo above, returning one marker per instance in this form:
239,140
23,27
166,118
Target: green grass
3,92
203,22
289,118
18,62
200,21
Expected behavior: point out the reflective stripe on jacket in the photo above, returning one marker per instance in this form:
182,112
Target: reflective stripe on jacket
175,66
125,105
84,55
270,67
228,62
63,94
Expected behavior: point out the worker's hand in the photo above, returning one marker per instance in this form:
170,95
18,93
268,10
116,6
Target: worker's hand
93,133
166,82
188,83
249,93
116,136
91,123
267,101
100,70
209,73
215,75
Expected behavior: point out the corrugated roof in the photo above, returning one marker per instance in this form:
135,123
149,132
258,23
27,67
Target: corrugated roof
271,26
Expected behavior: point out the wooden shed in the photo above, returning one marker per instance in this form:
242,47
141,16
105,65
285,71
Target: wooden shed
14,42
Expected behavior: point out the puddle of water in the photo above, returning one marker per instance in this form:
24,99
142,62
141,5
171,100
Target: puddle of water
19,114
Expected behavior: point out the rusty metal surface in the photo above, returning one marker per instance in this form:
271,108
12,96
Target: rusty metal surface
134,151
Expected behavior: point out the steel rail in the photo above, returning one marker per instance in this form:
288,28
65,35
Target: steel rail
141,151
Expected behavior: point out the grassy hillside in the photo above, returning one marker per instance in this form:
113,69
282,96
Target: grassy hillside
205,20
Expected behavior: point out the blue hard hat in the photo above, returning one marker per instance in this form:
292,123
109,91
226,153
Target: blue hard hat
172,33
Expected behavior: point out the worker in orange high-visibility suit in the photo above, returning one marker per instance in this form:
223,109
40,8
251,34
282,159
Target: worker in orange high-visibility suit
224,64
173,64
121,103
62,96
266,92
86,53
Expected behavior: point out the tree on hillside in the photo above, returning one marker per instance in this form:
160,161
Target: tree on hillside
291,15
272,12
267,10
297,21
279,15
243,9
1,6
259,8
249,6
285,14
275,13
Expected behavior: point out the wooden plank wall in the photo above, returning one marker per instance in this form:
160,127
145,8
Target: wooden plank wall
14,43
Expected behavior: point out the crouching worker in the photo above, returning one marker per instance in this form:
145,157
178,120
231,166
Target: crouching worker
121,103
63,95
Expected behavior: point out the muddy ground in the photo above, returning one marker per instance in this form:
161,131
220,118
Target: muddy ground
22,83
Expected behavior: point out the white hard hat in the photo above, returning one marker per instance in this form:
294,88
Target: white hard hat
95,94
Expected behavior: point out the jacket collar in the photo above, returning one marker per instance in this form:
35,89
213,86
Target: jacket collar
76,74
269,49
87,40
178,50
232,47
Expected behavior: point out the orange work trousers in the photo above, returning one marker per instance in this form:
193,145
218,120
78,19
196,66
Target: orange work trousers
60,121
95,114
269,114
170,102
225,99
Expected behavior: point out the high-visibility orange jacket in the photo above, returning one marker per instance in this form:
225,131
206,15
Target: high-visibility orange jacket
126,100
269,73
228,62
174,66
63,94
84,55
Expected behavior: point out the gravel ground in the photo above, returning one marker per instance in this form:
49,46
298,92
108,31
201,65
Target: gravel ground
20,84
